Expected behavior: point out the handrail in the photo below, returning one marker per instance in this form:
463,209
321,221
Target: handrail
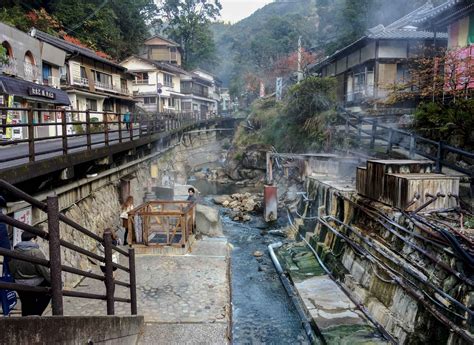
75,129
53,237
441,148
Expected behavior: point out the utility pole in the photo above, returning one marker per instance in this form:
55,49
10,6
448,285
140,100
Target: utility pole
300,72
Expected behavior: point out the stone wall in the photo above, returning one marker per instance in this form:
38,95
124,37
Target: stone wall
95,203
391,304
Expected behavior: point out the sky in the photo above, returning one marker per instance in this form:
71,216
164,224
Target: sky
235,10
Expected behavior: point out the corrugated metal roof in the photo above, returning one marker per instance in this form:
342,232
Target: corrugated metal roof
72,48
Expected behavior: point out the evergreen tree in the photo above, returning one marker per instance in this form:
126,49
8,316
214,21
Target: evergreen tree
187,22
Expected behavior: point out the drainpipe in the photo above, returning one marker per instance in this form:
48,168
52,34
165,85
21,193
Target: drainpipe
294,296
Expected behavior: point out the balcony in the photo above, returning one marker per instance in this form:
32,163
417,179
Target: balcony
81,81
52,81
104,86
10,67
32,72
141,82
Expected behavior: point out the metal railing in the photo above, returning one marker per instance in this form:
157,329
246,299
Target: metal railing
82,130
55,265
10,67
413,143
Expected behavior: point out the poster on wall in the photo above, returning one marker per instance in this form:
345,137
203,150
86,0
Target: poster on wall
24,216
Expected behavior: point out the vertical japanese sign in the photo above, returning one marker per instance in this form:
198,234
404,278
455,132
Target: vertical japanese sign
24,216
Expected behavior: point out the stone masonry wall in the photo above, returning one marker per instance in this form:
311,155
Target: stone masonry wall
95,205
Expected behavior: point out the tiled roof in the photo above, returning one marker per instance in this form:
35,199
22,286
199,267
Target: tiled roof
162,65
438,10
72,48
402,28
405,34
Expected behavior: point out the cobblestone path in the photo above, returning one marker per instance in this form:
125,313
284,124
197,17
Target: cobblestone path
185,299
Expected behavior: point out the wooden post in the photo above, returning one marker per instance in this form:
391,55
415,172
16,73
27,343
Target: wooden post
106,129
31,136
133,281
55,255
109,273
88,129
439,157
374,133
119,116
64,130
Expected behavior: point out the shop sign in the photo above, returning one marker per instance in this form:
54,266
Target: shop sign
40,92
24,216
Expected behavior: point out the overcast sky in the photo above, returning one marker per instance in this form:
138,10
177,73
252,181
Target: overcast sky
235,10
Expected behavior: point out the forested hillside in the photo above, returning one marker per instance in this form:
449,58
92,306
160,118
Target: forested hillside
256,46
115,27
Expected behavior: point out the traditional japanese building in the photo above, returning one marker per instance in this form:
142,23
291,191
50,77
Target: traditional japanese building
367,67
157,85
456,17
30,79
91,81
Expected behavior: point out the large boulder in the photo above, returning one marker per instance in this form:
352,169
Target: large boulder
208,222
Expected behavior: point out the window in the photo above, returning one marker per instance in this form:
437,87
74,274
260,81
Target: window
91,104
141,78
168,80
8,48
47,72
149,100
171,102
103,80
108,104
83,72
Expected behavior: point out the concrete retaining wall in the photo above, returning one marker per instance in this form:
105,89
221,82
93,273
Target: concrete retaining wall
69,330
94,203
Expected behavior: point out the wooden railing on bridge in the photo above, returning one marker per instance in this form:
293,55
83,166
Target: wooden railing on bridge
83,130
162,223
55,265
411,142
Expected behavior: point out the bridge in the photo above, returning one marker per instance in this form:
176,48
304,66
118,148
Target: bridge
69,138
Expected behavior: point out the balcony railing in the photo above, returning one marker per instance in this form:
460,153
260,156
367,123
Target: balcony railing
104,86
141,82
32,72
10,67
52,81
81,81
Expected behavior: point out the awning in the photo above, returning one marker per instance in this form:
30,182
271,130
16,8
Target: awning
32,91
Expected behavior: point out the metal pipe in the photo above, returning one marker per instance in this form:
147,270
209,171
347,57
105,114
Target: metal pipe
360,306
419,297
407,268
293,295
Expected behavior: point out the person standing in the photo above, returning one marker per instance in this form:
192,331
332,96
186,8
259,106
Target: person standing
126,207
127,120
191,194
27,273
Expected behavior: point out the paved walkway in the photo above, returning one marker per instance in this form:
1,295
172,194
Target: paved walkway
185,299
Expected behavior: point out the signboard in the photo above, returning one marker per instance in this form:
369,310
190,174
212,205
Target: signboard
40,92
24,216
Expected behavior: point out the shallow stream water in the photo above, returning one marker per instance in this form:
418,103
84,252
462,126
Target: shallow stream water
262,312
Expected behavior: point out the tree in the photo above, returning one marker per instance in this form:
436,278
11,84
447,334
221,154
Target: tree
187,22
